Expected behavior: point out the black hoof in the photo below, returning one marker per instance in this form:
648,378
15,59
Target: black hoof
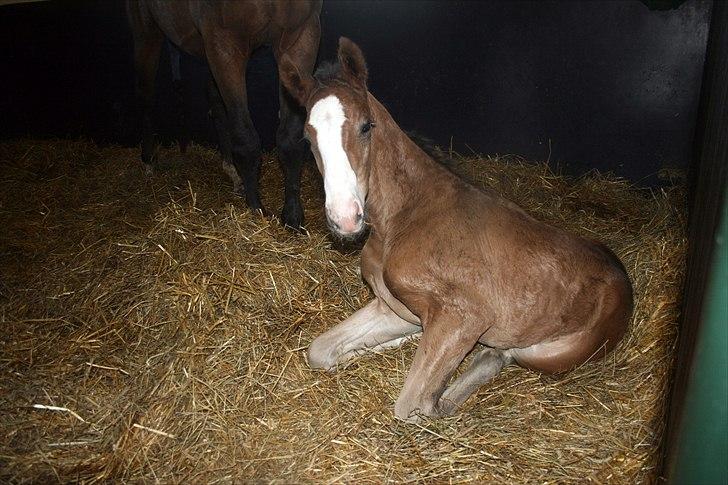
292,216
256,206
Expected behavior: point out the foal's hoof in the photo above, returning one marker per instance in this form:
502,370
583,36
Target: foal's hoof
292,216
447,407
412,418
413,413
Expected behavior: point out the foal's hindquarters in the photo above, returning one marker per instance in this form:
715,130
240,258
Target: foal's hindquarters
529,293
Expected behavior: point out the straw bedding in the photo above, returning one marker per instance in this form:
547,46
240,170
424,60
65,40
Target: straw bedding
155,330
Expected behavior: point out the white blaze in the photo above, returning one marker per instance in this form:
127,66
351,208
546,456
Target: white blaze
342,196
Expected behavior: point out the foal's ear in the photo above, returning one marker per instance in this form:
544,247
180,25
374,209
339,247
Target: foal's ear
352,60
299,84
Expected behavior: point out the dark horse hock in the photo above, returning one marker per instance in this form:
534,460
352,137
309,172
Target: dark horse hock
458,264
226,34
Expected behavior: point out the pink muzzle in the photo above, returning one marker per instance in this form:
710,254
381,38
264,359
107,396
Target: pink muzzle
346,217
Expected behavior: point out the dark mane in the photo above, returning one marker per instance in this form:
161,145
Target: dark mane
328,71
434,152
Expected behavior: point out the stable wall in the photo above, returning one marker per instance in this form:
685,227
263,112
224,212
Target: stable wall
606,85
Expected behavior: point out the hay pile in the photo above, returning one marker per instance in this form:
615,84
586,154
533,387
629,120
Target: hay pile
154,330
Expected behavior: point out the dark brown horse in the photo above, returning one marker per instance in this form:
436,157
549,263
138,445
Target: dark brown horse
225,34
454,263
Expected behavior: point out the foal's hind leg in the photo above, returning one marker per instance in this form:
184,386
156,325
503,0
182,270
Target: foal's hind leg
293,150
148,41
371,328
219,116
485,365
228,56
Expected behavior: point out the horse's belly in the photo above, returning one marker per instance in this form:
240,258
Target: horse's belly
178,24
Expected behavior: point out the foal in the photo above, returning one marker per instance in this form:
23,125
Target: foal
458,264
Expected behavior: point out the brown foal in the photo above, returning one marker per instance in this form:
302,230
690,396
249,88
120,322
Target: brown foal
456,263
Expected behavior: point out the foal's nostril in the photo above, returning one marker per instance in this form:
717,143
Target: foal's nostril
349,223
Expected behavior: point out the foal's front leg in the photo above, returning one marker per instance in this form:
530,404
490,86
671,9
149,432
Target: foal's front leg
443,346
372,327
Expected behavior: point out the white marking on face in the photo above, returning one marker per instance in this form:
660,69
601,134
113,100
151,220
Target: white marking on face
344,204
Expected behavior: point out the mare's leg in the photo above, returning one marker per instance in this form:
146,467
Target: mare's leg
292,153
228,56
183,136
293,150
372,328
148,39
219,116
485,365
443,346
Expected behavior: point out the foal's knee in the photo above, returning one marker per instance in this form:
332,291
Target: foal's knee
321,356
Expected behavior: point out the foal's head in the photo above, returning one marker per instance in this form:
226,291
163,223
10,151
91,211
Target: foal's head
339,126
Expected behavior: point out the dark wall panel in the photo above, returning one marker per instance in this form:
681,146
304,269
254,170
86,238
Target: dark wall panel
607,84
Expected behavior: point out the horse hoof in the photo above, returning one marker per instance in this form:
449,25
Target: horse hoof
412,418
260,212
292,217
257,208
409,412
447,408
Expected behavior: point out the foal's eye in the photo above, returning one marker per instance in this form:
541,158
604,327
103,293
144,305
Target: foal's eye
366,127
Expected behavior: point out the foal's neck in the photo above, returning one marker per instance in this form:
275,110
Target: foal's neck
401,174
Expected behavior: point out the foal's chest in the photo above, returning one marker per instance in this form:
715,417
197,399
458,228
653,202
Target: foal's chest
373,269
